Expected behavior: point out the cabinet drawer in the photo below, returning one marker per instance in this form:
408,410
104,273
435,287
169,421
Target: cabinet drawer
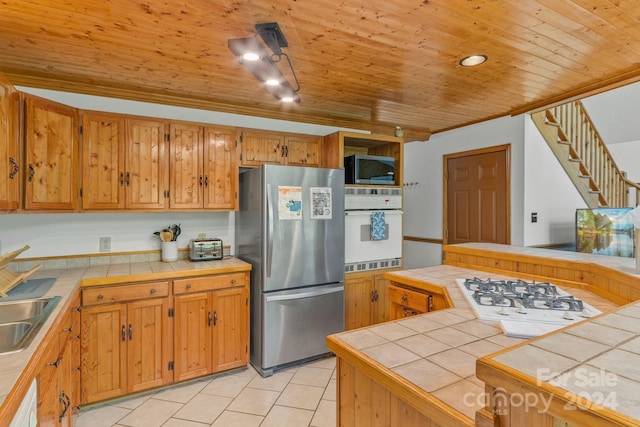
411,299
198,284
120,293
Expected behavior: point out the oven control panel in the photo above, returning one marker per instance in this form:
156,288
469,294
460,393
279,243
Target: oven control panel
372,198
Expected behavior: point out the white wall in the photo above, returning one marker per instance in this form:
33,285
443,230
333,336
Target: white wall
74,234
549,192
424,166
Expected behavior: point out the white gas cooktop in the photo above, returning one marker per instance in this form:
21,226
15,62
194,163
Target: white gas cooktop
521,301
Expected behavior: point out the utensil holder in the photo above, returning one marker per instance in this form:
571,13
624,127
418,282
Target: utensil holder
169,251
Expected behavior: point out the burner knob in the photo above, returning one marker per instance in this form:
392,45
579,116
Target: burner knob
503,311
585,313
567,315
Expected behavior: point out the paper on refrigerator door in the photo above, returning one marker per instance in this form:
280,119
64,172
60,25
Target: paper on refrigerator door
289,203
321,203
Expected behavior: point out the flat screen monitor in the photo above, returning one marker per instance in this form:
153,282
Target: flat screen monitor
604,231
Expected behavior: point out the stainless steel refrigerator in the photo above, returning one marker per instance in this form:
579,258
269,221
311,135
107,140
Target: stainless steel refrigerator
290,227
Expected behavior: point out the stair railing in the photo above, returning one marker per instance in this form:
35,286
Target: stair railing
588,147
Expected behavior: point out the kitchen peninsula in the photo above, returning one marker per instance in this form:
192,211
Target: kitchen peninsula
449,368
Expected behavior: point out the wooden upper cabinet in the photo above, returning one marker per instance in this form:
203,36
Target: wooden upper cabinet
9,146
146,171
51,141
303,150
103,161
220,168
261,147
204,167
185,159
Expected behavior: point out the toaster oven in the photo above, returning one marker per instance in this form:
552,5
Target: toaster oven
205,249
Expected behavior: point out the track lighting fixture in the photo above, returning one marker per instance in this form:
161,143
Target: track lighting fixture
253,55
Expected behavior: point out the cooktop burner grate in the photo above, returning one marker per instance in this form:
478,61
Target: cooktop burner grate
518,293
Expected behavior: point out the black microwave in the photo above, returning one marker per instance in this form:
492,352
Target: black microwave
365,169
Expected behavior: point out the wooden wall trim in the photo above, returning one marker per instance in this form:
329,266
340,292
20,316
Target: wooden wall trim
424,240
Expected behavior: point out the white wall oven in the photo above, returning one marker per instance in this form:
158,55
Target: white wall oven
373,228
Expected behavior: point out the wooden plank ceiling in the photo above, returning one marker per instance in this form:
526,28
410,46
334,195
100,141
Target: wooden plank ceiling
361,64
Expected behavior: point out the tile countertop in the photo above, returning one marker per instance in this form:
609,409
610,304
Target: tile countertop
437,351
67,280
591,364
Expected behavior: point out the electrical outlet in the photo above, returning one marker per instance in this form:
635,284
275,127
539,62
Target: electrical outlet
202,235
105,244
534,217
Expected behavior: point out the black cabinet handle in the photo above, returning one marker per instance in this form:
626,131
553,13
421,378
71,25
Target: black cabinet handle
123,334
130,332
121,179
31,173
201,181
209,319
286,149
15,168
215,318
66,402
127,180
206,180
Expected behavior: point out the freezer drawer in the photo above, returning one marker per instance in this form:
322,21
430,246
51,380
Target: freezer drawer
297,322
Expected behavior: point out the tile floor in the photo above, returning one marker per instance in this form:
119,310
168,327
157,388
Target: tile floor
297,397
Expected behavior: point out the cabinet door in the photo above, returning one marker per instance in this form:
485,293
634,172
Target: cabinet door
185,159
9,146
220,168
103,350
359,297
51,155
193,321
258,148
381,297
49,386
230,329
147,344
301,150
103,174
146,168
65,396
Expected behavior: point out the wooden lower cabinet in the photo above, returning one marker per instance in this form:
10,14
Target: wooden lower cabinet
211,331
140,336
366,299
125,348
362,401
58,376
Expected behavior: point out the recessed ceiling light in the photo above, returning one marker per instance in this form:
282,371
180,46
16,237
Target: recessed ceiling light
473,60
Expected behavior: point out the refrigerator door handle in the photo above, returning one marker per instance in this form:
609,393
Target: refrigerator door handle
305,294
269,230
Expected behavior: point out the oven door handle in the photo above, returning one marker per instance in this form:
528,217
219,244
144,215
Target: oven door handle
370,211
269,230
302,295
